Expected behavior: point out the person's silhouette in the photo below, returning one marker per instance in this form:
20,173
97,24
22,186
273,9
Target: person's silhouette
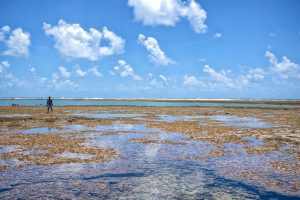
49,105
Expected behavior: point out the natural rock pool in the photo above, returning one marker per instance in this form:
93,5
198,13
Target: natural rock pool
153,162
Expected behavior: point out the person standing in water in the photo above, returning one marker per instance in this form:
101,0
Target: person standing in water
49,105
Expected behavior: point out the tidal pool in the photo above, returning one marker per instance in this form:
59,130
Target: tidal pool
9,148
152,170
75,155
226,120
107,115
47,130
16,115
174,118
42,130
34,152
10,163
246,122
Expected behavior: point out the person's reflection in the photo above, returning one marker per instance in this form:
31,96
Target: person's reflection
50,127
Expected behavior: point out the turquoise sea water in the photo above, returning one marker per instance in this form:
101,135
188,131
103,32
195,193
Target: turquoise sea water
101,102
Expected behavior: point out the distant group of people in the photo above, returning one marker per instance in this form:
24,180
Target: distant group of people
49,104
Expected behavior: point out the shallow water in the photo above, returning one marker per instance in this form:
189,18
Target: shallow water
246,122
34,152
10,163
16,115
174,118
149,171
43,130
106,115
9,148
100,102
227,120
75,155
48,130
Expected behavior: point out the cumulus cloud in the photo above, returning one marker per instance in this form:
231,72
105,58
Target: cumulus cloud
41,80
196,16
169,12
160,82
32,69
192,81
284,69
156,56
64,85
72,41
92,70
3,31
64,72
10,81
256,74
7,80
80,72
61,84
17,43
217,35
95,71
55,76
3,66
219,77
125,70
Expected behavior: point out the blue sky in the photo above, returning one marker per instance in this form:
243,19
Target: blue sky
150,49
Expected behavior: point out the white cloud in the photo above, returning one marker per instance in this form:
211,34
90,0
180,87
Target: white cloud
92,70
220,77
95,71
17,43
217,35
80,72
156,56
32,69
196,16
65,85
4,30
192,81
11,81
169,12
3,66
163,79
64,72
160,82
59,84
7,80
5,63
284,69
55,76
72,41
256,74
125,70
41,80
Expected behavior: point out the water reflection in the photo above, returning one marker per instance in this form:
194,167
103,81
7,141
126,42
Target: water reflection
246,122
107,115
149,171
227,120
16,115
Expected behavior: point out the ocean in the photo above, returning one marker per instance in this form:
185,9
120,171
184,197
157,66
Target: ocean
143,102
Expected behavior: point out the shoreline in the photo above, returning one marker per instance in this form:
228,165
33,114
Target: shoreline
222,101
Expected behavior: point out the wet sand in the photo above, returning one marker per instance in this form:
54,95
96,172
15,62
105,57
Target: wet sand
32,137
